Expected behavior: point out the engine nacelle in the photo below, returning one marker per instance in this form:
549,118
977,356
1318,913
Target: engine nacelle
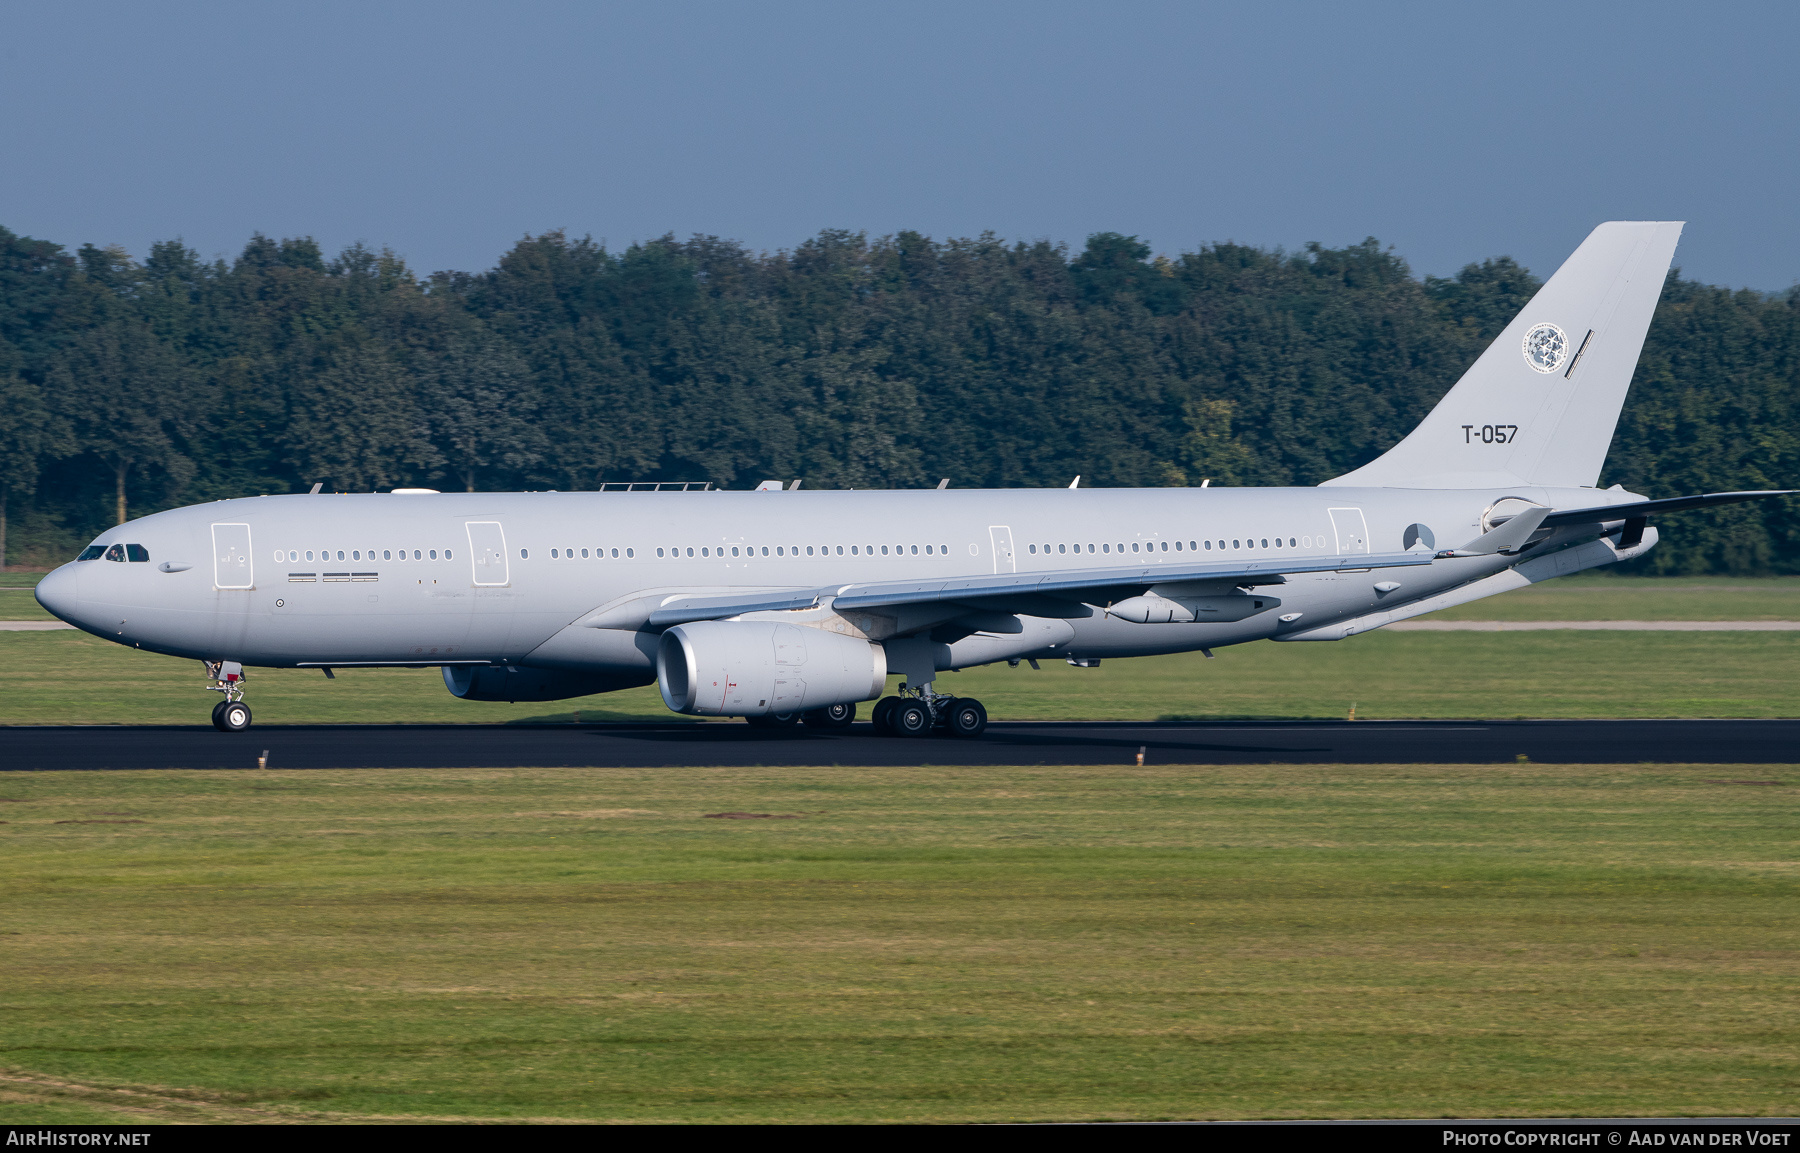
511,683
752,668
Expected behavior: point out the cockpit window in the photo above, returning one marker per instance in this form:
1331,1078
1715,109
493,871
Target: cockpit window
92,552
136,553
117,553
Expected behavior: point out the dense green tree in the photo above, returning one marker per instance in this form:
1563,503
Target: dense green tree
849,361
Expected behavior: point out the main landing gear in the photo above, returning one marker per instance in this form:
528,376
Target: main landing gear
230,715
919,712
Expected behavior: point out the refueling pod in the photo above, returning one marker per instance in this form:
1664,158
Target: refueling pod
755,668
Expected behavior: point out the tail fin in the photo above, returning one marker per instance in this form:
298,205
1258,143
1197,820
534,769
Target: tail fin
1540,405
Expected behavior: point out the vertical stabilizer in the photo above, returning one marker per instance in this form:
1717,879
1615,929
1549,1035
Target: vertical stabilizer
1540,405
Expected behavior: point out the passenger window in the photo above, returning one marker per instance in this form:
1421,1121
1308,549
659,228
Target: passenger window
524,554
385,555
915,550
584,554
853,551
341,554
308,554
1291,543
433,555
446,554
1265,542
1134,546
628,553
1234,544
1209,546
92,552
552,554
1032,548
840,549
416,555
659,552
1105,548
734,550
137,553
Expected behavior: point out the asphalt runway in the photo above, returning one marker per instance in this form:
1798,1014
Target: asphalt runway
1005,743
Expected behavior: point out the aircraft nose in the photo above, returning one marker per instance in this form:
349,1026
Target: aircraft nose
59,592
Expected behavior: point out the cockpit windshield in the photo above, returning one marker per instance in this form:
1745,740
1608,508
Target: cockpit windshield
119,552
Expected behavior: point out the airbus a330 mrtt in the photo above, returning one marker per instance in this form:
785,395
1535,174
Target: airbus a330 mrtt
782,605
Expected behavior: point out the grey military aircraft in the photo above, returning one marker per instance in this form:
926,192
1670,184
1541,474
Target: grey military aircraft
783,605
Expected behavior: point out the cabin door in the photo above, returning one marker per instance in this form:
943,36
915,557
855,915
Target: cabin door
487,553
231,557
1001,535
1352,530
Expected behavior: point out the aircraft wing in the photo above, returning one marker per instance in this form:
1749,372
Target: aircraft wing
1648,507
1067,585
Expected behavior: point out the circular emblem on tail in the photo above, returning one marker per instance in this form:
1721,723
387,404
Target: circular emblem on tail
1546,346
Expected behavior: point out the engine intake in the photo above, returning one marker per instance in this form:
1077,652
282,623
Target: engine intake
753,668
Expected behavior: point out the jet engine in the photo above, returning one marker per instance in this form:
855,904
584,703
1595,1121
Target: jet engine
510,683
753,668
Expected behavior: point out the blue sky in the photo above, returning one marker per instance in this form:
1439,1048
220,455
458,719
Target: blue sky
448,130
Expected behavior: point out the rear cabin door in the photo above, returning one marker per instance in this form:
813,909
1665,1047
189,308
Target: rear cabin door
231,557
487,553
1001,535
1352,531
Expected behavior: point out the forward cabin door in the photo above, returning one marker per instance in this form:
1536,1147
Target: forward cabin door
1352,531
487,553
232,568
1001,535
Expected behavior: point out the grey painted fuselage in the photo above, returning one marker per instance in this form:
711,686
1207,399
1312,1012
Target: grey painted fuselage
327,585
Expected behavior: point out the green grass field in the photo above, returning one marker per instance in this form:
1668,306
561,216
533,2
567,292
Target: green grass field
916,944
72,678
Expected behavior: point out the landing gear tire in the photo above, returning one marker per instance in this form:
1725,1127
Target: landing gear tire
774,720
830,717
217,709
967,718
909,719
883,712
232,717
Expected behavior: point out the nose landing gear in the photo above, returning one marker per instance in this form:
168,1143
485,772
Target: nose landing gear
230,715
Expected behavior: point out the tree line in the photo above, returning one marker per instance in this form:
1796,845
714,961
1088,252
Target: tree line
128,387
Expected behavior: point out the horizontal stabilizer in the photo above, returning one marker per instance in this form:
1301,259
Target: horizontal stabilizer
1649,507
